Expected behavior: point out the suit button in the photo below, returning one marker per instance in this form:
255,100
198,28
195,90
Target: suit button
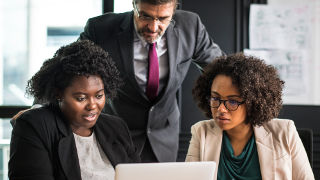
148,130
151,109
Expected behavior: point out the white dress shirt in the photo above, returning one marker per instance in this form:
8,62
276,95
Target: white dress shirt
94,164
140,61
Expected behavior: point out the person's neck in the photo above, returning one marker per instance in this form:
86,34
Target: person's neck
239,137
240,134
84,132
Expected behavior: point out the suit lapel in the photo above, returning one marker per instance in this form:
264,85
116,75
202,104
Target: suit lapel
106,142
67,152
213,140
265,149
212,145
172,34
125,39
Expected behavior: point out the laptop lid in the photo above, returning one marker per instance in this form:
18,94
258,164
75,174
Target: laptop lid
166,171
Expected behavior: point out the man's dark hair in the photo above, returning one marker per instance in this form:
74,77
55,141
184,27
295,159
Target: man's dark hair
258,83
80,58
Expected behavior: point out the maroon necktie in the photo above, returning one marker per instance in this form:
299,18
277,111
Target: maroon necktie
153,73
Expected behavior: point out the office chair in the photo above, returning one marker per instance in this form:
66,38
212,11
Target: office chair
306,136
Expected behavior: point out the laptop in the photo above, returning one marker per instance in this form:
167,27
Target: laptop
166,171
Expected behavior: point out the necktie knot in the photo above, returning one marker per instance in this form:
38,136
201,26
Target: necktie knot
153,73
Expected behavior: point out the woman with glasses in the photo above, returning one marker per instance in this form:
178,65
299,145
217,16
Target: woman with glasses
242,95
69,138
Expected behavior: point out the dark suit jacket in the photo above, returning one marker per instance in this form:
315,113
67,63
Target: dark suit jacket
187,41
43,147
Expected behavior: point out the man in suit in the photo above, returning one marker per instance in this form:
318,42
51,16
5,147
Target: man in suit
153,47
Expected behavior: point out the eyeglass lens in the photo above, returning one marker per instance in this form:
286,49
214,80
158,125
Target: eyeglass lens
231,105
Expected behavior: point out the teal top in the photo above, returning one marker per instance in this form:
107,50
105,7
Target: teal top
245,166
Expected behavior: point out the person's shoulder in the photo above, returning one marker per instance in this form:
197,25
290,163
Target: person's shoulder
37,118
281,129
186,20
205,125
36,114
278,124
183,13
182,16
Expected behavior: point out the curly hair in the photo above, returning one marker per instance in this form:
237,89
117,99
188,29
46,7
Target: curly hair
259,85
80,58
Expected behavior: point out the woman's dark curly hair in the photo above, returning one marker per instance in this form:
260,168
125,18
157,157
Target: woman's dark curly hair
80,58
259,85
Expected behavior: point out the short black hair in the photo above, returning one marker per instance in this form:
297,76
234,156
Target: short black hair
80,58
259,85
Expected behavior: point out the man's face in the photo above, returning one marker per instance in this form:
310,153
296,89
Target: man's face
152,20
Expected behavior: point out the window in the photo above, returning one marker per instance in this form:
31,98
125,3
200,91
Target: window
120,6
30,32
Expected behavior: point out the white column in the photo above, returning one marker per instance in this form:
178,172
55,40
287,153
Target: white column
1,55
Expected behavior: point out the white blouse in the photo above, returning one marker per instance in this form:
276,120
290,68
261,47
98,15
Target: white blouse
94,164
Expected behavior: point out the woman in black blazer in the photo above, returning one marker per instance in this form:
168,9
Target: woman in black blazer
69,138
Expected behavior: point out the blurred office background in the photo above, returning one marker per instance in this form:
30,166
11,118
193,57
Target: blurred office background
32,30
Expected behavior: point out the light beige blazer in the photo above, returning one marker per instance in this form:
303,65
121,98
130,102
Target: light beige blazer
280,149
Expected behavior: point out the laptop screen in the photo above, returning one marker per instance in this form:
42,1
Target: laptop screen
166,171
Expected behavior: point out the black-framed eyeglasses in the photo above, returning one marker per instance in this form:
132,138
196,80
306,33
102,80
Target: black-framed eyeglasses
146,18
231,105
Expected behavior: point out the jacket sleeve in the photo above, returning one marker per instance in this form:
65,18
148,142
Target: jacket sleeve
132,151
301,168
194,146
29,157
205,50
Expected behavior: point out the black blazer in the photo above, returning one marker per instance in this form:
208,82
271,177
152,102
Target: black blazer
43,147
187,42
